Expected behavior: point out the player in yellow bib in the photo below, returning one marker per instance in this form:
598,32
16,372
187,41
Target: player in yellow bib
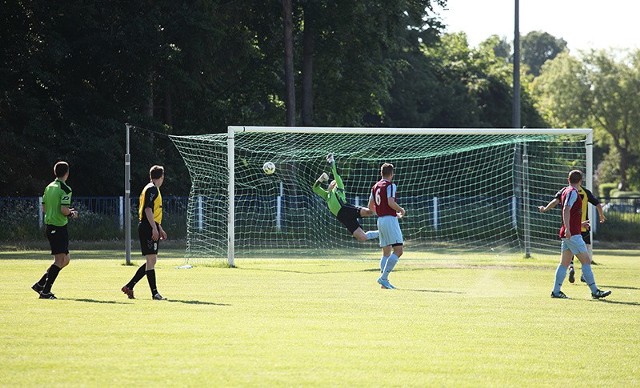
150,232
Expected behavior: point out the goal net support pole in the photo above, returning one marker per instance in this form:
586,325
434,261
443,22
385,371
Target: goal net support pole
589,176
231,231
127,198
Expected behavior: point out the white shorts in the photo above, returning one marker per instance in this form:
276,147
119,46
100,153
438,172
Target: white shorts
390,232
576,244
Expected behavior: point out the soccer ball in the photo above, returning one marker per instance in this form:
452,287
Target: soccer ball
269,168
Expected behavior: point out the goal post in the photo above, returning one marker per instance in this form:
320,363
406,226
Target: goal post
463,188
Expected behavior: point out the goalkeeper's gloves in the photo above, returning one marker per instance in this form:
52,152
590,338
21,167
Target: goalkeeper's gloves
323,178
330,159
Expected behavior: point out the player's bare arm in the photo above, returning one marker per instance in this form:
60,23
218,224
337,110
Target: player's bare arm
155,235
394,205
69,211
552,204
163,234
601,213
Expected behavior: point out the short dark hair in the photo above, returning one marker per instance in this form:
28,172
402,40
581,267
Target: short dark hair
156,172
60,169
386,169
575,176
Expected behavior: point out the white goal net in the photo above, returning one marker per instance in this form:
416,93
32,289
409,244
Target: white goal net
463,189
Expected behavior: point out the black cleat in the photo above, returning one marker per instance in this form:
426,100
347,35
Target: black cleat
157,296
582,279
37,288
572,275
128,291
559,295
600,294
47,295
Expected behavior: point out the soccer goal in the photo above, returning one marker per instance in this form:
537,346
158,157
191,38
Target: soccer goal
463,189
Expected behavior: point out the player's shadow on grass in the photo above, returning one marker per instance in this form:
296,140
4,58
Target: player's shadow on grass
312,272
196,302
432,291
619,302
621,287
87,300
405,269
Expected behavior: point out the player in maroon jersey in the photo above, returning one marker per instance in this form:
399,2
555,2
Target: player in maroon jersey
572,242
587,198
383,201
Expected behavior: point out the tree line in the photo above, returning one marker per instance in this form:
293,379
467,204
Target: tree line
73,73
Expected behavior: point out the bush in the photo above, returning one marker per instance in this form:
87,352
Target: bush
94,227
625,194
620,227
21,225
19,220
605,189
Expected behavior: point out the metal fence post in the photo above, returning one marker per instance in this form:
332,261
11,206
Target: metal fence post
40,215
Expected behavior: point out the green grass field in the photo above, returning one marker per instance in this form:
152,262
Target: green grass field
456,320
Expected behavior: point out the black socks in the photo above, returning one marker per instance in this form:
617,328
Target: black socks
139,275
51,275
43,279
151,277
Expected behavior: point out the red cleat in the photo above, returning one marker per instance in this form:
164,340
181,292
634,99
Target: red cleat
128,291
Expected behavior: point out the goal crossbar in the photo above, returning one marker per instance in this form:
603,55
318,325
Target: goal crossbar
414,131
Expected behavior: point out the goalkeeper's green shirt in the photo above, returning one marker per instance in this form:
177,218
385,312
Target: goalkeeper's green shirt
336,197
56,194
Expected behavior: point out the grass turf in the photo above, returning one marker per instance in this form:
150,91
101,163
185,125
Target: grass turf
456,320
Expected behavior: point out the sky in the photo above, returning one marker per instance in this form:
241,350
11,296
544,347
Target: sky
583,24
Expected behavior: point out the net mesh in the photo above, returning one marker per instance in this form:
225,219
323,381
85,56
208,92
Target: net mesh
461,192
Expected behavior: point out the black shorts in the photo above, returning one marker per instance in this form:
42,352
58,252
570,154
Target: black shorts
586,236
58,237
147,245
349,215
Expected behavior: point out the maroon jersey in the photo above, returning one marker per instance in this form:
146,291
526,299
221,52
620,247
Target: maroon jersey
381,192
575,223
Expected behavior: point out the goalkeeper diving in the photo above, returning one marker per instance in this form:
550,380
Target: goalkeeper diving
346,213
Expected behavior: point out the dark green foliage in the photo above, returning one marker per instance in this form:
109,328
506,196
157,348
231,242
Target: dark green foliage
537,47
73,73
99,219
620,227
605,189
448,84
19,220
